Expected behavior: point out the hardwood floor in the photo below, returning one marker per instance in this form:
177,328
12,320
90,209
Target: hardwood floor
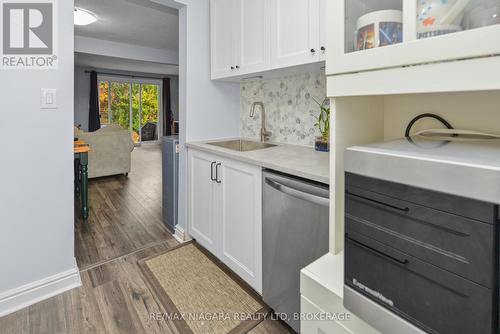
124,227
114,298
125,212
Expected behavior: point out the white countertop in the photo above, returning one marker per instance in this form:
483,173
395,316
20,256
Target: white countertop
482,154
301,161
327,271
322,284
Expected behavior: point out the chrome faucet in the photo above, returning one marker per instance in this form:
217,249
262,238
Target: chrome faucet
264,134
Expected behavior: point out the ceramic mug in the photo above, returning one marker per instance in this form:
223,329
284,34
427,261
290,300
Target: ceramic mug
436,17
380,28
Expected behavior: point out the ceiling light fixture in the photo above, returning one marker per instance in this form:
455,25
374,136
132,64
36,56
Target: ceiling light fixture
83,17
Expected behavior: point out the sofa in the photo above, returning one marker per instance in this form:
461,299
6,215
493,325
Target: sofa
110,150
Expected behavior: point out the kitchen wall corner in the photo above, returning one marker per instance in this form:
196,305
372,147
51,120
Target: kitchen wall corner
290,107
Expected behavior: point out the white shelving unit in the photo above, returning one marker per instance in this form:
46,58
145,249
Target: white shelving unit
359,120
469,42
375,92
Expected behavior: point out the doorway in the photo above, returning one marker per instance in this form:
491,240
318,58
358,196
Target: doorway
134,104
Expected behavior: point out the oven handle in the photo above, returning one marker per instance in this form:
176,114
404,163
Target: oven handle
324,201
405,209
360,244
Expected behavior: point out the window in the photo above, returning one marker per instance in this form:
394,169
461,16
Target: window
103,102
133,104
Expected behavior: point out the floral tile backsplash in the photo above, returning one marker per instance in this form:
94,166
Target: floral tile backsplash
290,107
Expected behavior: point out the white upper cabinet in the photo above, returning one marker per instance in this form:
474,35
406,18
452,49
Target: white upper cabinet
222,37
253,52
240,41
375,34
294,32
252,36
322,30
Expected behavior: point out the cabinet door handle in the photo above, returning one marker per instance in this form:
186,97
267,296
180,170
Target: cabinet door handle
237,67
232,67
323,49
212,171
217,173
313,51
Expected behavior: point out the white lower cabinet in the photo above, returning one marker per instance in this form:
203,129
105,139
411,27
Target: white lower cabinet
225,212
241,220
202,204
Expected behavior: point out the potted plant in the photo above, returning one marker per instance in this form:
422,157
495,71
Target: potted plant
322,143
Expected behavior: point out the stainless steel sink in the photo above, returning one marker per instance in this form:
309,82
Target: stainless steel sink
242,145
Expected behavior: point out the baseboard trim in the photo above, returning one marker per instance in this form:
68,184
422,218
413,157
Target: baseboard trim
180,234
32,293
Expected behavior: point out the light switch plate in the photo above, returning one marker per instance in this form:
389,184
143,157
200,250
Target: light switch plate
48,98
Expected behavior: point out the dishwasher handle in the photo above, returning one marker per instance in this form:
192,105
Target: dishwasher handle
320,200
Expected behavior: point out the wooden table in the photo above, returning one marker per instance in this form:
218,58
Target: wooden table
81,150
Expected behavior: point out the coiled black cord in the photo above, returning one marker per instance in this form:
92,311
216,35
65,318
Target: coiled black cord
413,121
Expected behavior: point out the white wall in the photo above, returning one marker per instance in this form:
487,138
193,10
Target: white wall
212,108
124,64
36,174
115,49
82,93
208,109
478,111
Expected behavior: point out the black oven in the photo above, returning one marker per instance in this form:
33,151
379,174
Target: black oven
420,261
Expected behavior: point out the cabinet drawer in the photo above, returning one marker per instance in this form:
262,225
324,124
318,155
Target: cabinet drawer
455,243
469,208
441,301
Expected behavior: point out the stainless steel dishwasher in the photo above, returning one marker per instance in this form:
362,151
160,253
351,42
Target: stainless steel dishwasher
295,233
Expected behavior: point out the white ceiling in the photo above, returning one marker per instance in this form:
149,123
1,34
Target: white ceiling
138,22
121,64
